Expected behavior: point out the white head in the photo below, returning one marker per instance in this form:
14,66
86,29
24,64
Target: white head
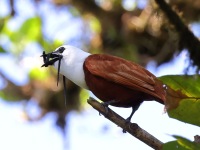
71,64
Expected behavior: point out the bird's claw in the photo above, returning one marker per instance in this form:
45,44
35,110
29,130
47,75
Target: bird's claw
105,105
127,121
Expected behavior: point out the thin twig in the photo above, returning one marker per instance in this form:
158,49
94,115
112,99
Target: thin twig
131,128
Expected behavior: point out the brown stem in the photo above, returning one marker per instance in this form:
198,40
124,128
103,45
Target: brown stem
131,128
12,13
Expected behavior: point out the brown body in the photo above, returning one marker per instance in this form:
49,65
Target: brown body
113,78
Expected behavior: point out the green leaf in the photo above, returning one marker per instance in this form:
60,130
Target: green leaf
38,74
31,29
50,46
188,111
181,144
94,24
173,145
2,50
2,22
57,43
84,95
183,97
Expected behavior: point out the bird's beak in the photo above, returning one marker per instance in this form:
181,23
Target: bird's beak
50,58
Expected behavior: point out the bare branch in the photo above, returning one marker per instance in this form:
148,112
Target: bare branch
131,128
187,38
12,13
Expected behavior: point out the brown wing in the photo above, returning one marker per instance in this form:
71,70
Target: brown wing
123,72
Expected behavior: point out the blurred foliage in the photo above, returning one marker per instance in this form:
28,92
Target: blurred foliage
29,31
141,33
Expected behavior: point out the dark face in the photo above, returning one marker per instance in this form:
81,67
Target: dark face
51,58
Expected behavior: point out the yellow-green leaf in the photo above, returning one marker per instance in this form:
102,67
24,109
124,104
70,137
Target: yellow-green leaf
183,97
31,29
188,84
38,74
181,144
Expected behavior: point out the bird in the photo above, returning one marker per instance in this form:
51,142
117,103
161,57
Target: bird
115,81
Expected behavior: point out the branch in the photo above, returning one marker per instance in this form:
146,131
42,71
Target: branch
131,128
187,38
12,13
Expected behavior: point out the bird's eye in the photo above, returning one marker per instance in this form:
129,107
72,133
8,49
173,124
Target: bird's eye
61,49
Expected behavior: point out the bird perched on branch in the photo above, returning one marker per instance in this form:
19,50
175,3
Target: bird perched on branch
115,81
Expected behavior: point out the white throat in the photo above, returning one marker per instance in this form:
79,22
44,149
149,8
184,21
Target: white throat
72,65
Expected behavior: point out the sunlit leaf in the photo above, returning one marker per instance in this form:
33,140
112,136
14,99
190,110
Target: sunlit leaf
183,97
94,24
31,28
29,31
46,45
49,46
57,43
39,74
84,95
181,144
188,85
173,145
188,111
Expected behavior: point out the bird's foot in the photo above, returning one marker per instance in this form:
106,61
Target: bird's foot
105,105
127,121
124,131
